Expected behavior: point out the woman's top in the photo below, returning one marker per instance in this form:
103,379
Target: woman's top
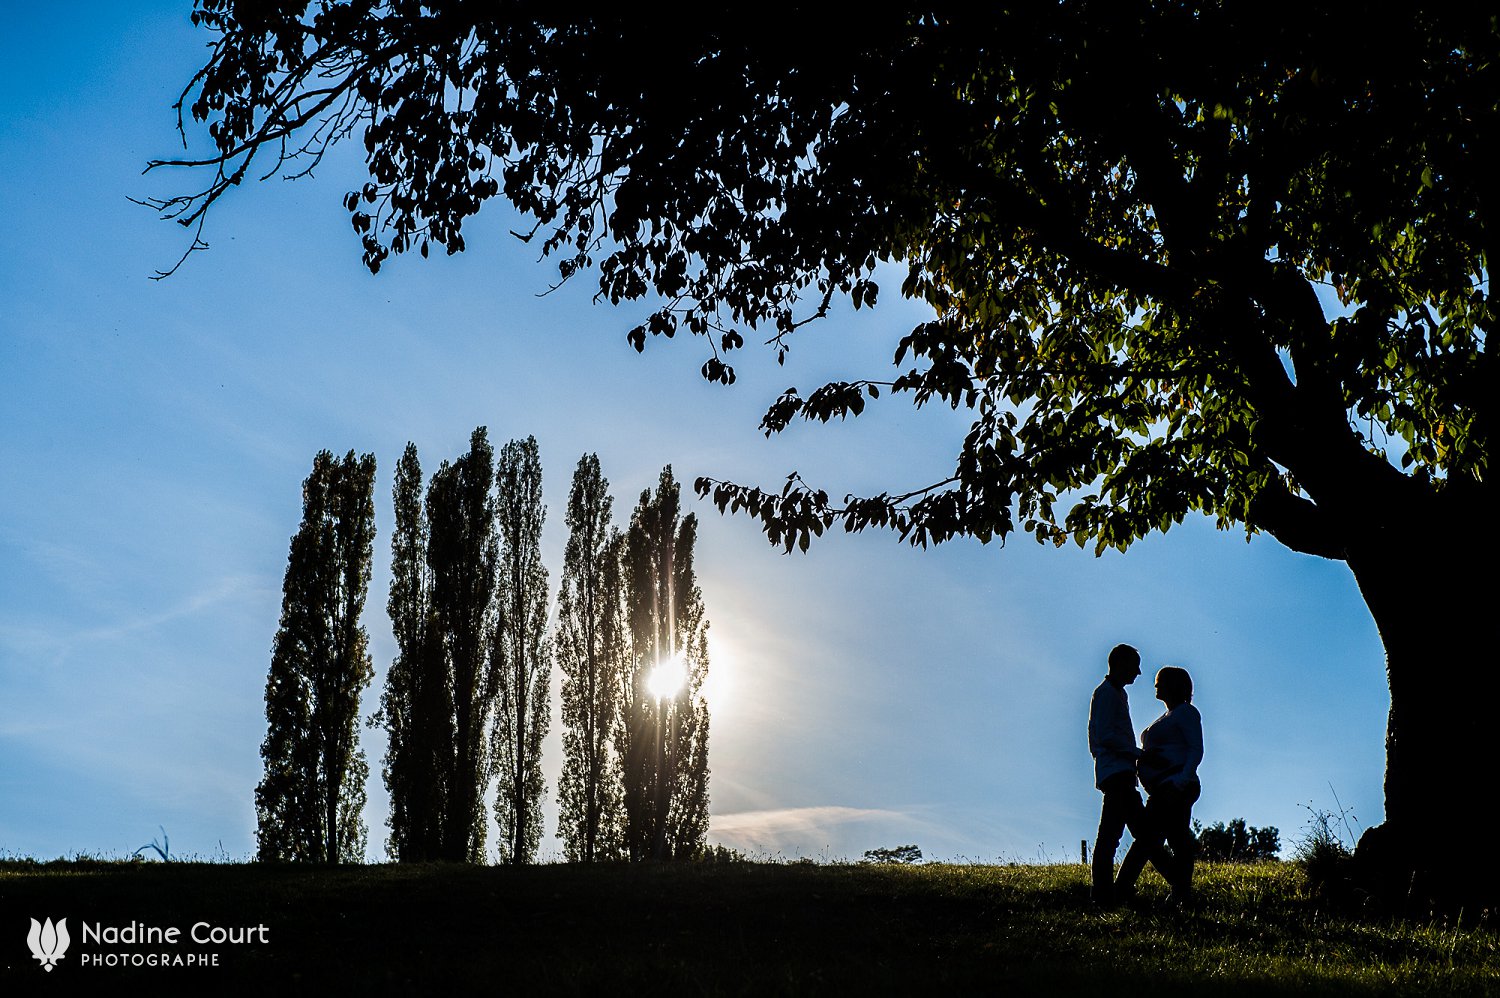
1172,748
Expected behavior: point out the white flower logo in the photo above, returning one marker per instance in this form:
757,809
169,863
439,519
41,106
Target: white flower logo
48,944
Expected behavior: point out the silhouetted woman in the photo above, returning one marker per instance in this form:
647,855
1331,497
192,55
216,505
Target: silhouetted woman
1171,750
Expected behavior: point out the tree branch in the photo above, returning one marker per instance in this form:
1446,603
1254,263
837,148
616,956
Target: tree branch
1296,522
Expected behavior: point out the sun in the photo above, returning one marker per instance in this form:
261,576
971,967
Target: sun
668,677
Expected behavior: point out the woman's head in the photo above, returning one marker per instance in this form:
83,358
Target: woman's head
1173,685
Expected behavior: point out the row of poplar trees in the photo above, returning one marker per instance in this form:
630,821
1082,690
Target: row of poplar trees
467,700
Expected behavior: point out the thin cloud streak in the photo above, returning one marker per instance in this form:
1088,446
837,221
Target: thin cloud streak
794,829
39,641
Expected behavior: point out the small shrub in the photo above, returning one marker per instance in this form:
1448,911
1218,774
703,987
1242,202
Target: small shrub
1326,850
162,848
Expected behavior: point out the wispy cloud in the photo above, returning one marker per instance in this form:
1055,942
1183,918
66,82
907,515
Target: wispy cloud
58,642
798,830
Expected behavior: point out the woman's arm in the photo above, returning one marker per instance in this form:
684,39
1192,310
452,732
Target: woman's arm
1191,726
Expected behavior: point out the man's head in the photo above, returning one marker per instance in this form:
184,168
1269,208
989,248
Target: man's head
1124,665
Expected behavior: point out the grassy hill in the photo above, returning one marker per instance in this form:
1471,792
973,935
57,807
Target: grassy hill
723,929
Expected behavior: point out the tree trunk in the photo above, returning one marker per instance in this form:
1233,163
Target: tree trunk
1431,601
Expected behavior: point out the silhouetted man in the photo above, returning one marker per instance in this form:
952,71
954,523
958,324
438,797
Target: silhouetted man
1112,742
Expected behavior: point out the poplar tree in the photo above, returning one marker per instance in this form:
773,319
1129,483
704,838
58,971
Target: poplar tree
521,654
310,803
462,553
665,735
591,644
416,707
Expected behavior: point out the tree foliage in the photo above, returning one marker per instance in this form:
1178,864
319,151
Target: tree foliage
664,738
1121,227
467,697
462,556
522,655
416,706
310,803
592,639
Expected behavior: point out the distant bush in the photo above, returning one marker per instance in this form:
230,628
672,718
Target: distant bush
901,855
1237,843
716,853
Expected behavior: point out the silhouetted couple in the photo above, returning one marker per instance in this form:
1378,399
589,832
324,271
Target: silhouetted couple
1165,763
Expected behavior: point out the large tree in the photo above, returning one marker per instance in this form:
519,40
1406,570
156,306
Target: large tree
463,555
1182,258
522,653
664,734
310,803
416,706
445,691
591,653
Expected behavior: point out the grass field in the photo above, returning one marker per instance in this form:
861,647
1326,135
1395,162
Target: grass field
727,929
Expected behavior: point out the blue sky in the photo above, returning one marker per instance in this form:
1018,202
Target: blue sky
863,695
